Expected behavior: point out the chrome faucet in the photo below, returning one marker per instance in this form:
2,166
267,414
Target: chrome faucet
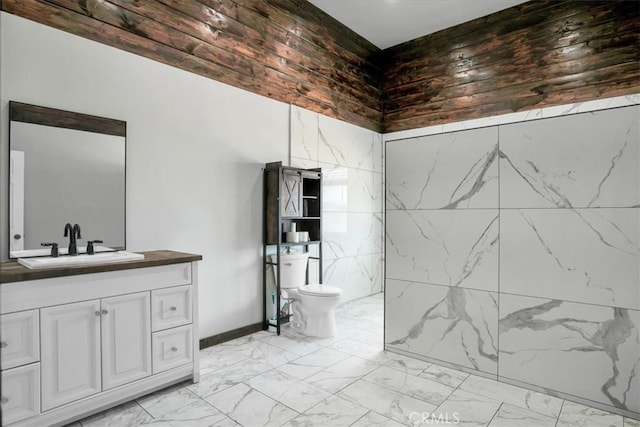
73,233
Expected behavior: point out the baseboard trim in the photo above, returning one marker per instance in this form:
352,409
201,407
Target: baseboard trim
230,335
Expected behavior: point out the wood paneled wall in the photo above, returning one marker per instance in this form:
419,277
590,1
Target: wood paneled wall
537,54
283,49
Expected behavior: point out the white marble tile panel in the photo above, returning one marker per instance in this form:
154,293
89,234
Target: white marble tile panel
296,345
577,415
346,189
313,363
389,403
453,247
288,390
297,162
466,409
586,106
344,144
446,323
420,388
520,116
516,396
412,133
513,416
584,160
595,350
373,353
378,150
332,412
356,276
444,375
581,255
304,133
250,407
347,234
454,170
378,193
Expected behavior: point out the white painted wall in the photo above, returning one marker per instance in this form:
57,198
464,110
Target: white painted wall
195,149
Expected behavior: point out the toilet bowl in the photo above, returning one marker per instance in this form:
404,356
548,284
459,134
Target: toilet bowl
313,304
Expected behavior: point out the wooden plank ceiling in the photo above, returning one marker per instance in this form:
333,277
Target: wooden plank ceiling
537,54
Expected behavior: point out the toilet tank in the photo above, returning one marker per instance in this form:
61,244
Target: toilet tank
294,269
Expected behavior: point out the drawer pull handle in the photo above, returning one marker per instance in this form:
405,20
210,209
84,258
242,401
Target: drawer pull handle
97,313
3,344
4,400
173,308
174,349
104,311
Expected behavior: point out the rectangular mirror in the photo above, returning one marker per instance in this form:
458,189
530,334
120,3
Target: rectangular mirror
64,167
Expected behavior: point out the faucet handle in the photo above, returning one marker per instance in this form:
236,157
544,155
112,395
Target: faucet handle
54,248
90,250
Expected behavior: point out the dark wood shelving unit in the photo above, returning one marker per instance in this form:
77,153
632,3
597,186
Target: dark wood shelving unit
290,195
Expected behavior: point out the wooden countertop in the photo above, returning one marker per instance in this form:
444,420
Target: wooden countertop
13,272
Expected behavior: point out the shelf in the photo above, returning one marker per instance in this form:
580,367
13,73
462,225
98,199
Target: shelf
310,197
315,242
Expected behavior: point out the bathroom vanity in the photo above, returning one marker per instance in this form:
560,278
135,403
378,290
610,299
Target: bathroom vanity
77,340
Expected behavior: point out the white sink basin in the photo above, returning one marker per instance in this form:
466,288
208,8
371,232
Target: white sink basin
79,260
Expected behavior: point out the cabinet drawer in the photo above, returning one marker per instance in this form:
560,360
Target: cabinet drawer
171,307
20,393
172,348
19,338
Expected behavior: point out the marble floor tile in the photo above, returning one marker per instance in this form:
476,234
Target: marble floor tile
250,382
444,375
387,402
421,388
297,346
469,409
313,363
340,375
288,390
332,412
406,364
128,415
373,419
228,377
516,396
514,416
198,413
167,400
577,415
251,408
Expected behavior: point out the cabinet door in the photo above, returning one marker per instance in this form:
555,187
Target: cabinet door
70,344
126,339
290,196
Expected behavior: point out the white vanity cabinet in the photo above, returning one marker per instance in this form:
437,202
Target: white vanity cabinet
80,343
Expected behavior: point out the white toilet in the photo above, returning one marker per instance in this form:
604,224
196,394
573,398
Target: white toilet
312,304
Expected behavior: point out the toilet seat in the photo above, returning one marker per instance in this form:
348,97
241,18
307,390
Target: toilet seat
320,290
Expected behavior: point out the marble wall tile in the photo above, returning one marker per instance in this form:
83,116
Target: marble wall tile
454,170
594,105
304,133
349,234
447,323
582,255
445,247
344,144
356,276
303,163
520,116
594,351
378,150
584,160
348,190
